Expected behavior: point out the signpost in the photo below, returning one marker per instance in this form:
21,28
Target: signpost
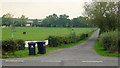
12,31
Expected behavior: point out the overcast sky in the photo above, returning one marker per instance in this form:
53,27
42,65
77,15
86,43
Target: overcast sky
42,8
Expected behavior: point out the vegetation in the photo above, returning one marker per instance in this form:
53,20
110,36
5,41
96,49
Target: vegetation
105,15
35,23
110,41
40,33
55,41
63,21
21,21
101,51
12,45
49,21
18,50
24,53
7,19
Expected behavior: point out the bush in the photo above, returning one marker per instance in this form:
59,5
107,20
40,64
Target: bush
110,41
55,41
12,45
82,36
9,46
20,44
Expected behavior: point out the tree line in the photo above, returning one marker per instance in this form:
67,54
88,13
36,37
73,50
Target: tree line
63,21
50,21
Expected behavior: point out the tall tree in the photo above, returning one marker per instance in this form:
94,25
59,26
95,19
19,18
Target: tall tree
63,21
35,22
7,19
22,20
50,20
118,13
102,14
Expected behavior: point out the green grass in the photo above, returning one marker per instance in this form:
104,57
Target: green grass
40,33
100,50
24,53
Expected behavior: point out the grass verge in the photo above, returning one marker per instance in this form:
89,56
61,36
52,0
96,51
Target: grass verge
24,53
100,50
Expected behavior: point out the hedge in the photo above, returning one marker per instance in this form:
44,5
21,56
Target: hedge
110,41
12,45
55,41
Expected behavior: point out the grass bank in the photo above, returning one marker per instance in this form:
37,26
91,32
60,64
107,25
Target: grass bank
101,51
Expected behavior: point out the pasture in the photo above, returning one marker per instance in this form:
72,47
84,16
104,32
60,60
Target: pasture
40,33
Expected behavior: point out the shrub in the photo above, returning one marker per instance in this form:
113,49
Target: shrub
109,40
55,41
82,36
66,40
20,44
11,45
86,35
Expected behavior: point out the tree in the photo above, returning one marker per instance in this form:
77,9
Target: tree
118,13
22,20
17,23
79,22
7,19
55,21
102,14
50,20
35,22
63,21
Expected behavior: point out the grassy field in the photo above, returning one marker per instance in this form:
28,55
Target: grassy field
25,53
100,50
40,33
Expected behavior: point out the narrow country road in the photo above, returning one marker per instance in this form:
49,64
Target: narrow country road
79,55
